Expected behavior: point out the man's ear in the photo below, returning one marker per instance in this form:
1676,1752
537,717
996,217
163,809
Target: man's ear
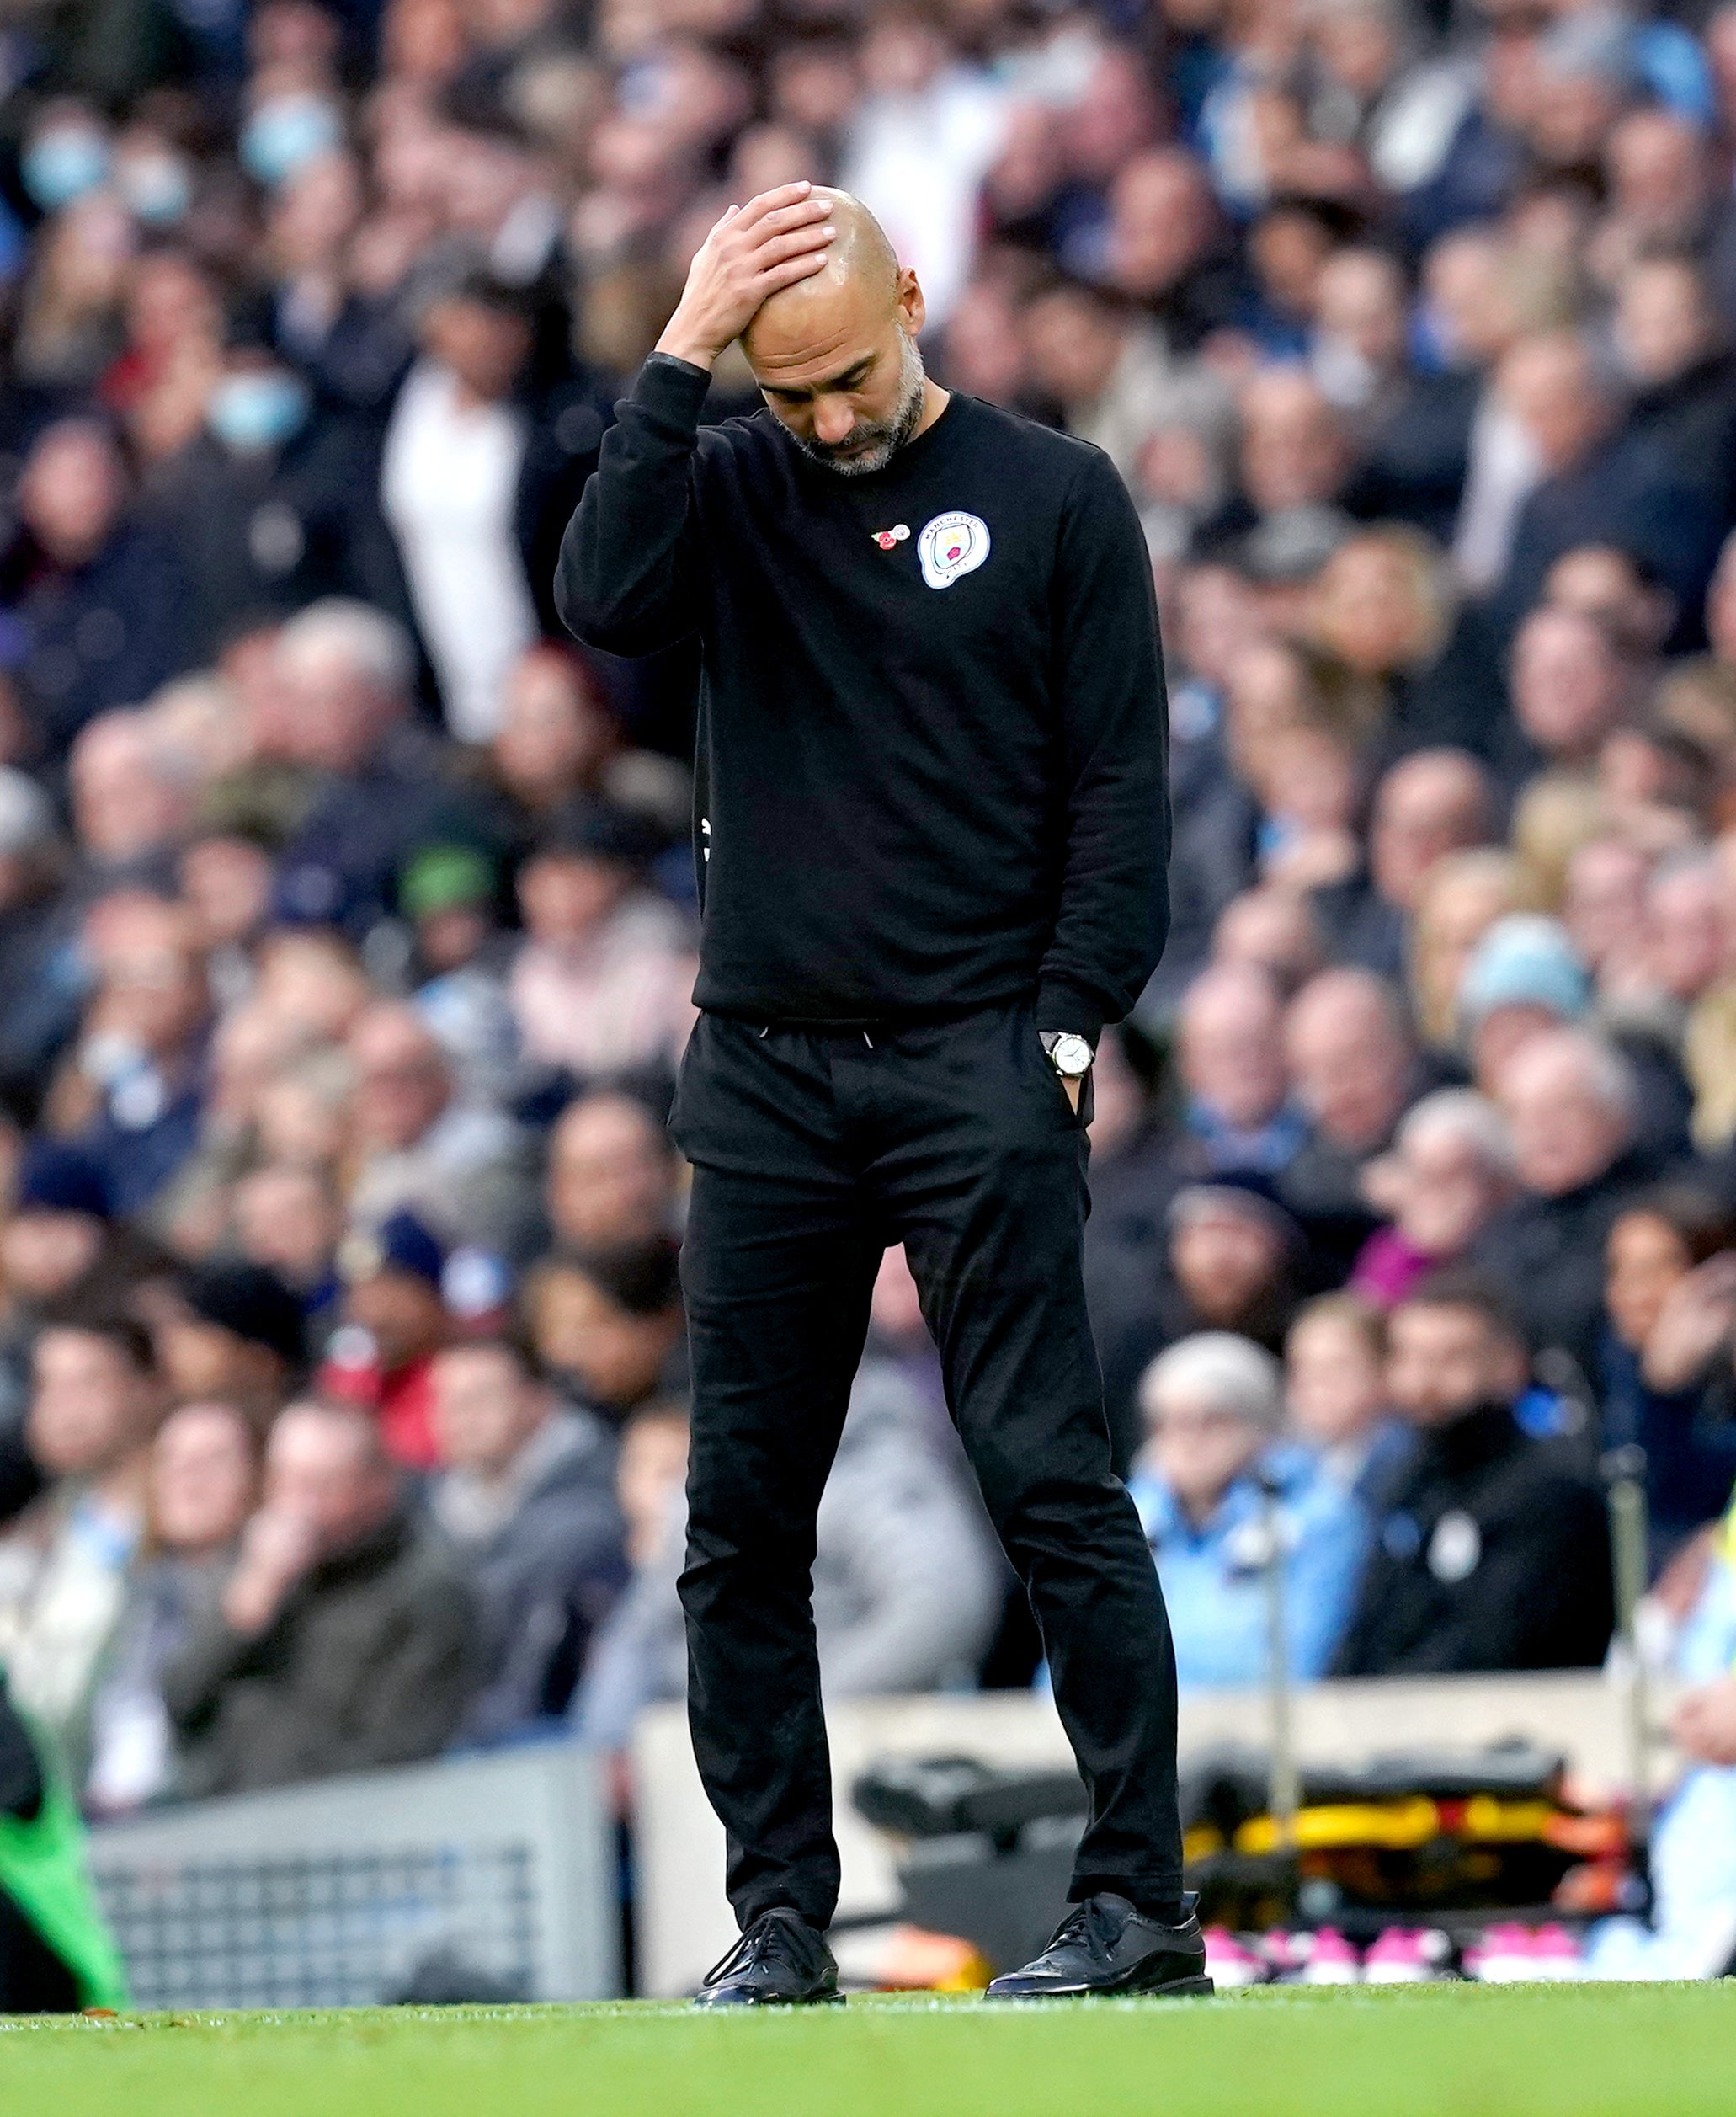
913,310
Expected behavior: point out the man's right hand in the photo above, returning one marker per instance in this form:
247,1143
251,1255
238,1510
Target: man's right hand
751,253
277,1549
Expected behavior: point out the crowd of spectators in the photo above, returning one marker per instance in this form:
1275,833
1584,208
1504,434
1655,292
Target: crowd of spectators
347,920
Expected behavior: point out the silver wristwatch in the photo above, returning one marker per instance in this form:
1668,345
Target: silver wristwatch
1070,1055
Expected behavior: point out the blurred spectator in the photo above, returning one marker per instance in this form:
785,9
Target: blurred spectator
1353,1068
394,1322
1669,1305
608,1326
1230,1053
345,1636
96,599
611,1175
460,1167
203,1485
1335,1392
1433,804
1570,1103
1491,1551
1212,1407
906,1581
95,1398
600,986
526,1493
1450,1172
237,1336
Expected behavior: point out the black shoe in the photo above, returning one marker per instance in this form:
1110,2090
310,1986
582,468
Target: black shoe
1104,1945
780,1962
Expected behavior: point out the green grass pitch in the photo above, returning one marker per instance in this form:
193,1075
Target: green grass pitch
1451,2050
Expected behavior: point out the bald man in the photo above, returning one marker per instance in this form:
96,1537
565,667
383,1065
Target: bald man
932,835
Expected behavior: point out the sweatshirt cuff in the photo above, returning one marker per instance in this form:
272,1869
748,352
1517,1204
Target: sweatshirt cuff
1062,1006
671,389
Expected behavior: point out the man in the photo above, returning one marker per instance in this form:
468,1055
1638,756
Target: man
460,1167
395,1321
1433,802
611,1175
95,1399
528,1495
1230,1053
1571,1103
1491,1553
233,1332
933,832
344,1639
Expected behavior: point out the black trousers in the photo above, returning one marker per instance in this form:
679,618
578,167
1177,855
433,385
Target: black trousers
812,1154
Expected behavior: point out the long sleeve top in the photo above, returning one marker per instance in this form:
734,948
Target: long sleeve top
931,768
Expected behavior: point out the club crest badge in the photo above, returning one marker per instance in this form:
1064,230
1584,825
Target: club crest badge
950,545
888,540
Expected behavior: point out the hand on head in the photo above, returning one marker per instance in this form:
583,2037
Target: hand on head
752,252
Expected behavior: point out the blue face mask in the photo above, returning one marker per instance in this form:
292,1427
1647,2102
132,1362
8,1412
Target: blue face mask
260,409
285,131
62,165
156,186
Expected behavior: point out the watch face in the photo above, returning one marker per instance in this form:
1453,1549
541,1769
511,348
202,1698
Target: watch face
1071,1057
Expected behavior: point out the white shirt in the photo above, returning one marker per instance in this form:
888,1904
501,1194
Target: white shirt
447,486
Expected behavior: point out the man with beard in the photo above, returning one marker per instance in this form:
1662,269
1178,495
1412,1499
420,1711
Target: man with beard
932,829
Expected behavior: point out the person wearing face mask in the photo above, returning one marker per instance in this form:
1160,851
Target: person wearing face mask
66,156
271,503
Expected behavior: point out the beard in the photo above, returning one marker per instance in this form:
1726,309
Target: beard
873,444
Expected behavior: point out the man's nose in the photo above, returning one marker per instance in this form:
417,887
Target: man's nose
832,419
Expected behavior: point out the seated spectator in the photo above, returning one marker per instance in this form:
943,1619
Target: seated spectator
235,1335
131,1090
1229,1051
526,1493
608,1328
460,1167
600,986
1272,929
1523,980
62,1251
1213,1405
64,1562
449,894
365,792
1450,1172
345,1636
1353,1066
1571,1105
1491,1551
1232,1260
1462,897
394,1322
1670,1307
1335,1392
908,1583
204,1484
288,1221
611,1175
1431,804
94,595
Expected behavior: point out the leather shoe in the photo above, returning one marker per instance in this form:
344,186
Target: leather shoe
1105,1946
779,1961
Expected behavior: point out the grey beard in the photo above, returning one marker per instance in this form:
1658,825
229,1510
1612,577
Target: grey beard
874,446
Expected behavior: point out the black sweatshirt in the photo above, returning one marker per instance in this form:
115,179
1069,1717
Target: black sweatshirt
932,716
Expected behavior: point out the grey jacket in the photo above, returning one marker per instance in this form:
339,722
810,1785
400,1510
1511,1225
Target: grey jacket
908,1583
372,1661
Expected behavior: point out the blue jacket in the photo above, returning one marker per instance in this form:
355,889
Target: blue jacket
1213,1579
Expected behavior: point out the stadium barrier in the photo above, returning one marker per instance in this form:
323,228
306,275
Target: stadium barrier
483,1877
683,1922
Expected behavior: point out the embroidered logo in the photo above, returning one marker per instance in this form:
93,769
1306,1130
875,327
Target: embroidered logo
886,538
951,545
